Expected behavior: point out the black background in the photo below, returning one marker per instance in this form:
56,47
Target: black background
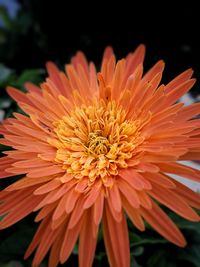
170,30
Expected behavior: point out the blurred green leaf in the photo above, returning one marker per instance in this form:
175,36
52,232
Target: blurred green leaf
191,255
134,263
32,75
75,250
100,256
138,251
4,72
134,238
12,264
160,259
7,21
150,241
5,102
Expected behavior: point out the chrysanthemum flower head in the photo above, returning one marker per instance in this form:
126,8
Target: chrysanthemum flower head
94,148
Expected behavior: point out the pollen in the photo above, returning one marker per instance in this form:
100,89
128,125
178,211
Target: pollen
95,141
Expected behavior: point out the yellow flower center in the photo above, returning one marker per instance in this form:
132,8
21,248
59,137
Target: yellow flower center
97,144
95,141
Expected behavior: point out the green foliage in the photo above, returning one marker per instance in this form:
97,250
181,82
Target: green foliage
8,77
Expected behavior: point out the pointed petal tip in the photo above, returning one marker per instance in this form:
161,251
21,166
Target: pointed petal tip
49,63
51,67
26,255
108,52
162,63
141,48
183,244
190,70
194,80
10,90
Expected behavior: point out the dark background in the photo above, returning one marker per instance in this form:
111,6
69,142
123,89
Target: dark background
57,29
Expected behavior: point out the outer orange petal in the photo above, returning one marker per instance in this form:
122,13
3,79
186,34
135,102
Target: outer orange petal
48,237
129,193
54,257
174,202
133,214
54,74
191,197
116,240
37,237
181,78
163,225
179,169
69,241
21,210
87,241
98,208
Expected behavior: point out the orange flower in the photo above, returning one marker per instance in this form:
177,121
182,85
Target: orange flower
94,147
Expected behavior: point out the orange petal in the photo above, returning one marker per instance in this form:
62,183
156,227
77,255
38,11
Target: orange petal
51,185
191,197
179,169
133,214
177,92
129,193
181,78
174,202
59,208
87,242
76,214
188,112
5,174
98,208
31,163
44,212
54,74
134,59
81,185
37,237
21,210
11,199
148,167
117,215
27,182
160,179
33,88
163,225
144,199
58,222
56,248
115,198
46,242
70,238
71,200
135,179
92,195
53,196
116,240
17,95
80,59
157,68
45,171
